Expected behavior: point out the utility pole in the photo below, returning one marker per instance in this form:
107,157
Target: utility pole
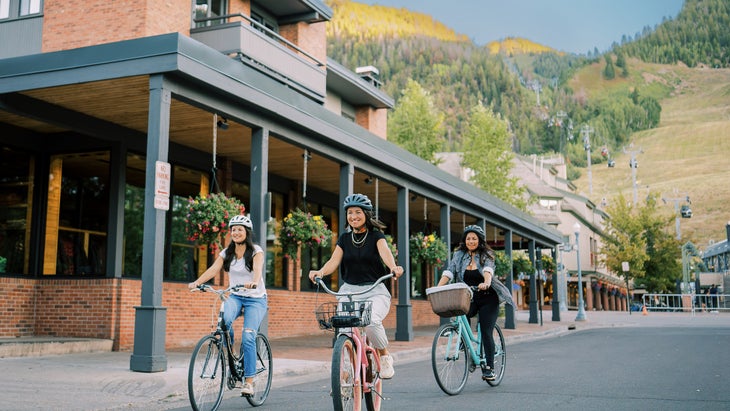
634,165
586,131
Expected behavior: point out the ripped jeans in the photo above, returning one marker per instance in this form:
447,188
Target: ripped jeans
254,310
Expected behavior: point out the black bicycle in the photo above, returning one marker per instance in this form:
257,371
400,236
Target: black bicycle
214,364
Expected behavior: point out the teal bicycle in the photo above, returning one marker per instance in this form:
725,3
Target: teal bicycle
457,351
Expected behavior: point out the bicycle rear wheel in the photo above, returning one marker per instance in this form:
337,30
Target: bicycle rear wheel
373,398
264,371
346,393
449,359
206,375
500,356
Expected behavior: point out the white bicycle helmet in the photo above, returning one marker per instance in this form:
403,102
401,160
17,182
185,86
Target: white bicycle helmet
241,220
357,200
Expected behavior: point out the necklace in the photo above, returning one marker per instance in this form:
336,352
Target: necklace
358,242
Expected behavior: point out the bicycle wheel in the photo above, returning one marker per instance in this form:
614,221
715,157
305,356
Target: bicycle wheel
206,375
346,394
500,356
449,359
264,371
373,397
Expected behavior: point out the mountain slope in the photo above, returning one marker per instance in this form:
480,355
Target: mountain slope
687,155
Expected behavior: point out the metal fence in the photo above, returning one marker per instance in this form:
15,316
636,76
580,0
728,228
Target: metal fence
686,302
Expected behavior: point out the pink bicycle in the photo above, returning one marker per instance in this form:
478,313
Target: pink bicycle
355,363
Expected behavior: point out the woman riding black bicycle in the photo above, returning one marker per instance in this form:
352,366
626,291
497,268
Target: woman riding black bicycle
243,261
473,264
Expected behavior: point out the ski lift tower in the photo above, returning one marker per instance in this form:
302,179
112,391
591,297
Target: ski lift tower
634,164
586,131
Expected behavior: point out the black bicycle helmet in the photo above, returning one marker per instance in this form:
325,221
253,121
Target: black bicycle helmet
357,200
476,230
241,220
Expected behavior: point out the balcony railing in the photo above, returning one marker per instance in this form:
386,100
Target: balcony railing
264,50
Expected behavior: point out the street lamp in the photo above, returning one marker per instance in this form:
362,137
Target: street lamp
581,311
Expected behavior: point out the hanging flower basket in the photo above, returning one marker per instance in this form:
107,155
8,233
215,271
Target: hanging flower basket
303,228
428,248
206,221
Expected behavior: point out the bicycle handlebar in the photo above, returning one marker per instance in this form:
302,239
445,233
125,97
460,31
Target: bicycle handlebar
319,282
220,291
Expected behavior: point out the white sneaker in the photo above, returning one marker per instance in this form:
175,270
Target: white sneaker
247,389
386,367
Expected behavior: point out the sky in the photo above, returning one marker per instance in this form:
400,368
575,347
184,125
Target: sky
574,26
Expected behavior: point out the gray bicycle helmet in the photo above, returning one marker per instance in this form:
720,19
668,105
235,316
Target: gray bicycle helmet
357,200
241,220
476,230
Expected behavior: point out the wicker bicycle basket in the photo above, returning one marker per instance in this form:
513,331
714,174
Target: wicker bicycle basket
450,300
345,314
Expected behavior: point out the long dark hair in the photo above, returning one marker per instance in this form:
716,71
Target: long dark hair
247,255
483,249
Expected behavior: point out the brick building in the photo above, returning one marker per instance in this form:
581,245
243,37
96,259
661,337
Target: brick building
235,96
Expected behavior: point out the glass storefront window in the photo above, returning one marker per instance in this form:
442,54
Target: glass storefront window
77,214
16,198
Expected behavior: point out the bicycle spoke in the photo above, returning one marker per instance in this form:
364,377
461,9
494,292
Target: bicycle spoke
206,375
449,359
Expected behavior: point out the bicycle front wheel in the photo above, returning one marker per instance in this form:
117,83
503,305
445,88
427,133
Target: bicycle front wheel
449,359
346,392
206,375
500,356
264,371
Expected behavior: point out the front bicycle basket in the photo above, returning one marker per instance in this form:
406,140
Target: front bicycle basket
344,314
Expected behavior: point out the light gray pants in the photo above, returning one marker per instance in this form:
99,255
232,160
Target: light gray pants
380,296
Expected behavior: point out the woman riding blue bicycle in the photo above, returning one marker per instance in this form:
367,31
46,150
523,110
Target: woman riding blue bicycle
473,264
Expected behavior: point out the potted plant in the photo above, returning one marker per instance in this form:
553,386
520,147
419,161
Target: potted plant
428,248
302,229
206,221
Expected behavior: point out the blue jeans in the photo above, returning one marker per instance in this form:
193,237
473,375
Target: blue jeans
253,314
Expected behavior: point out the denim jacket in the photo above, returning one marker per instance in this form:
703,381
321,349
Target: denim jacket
461,259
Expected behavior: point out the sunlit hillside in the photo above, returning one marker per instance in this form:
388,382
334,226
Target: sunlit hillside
512,46
687,155
373,21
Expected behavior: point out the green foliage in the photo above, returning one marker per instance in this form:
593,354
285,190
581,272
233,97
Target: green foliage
301,228
609,72
428,248
489,156
415,124
640,235
699,35
502,264
521,264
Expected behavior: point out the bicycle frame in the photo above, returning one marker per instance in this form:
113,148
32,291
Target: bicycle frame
464,327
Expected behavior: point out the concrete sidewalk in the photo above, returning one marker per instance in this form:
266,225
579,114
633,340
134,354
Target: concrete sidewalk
103,380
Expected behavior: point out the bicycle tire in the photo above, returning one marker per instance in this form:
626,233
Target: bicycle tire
346,393
206,375
264,371
449,359
500,356
373,398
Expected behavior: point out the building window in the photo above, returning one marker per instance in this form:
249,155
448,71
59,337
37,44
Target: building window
207,10
16,198
265,20
12,9
28,7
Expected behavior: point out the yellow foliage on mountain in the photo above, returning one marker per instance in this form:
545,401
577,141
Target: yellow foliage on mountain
374,21
512,46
